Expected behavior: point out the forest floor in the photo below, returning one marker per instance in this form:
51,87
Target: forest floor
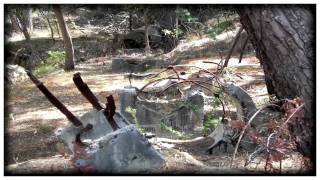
31,148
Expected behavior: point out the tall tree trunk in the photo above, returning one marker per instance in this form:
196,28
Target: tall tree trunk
23,18
46,16
283,37
69,61
146,27
29,20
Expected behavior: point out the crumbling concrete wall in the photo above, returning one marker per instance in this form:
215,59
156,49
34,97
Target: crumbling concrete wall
128,98
184,113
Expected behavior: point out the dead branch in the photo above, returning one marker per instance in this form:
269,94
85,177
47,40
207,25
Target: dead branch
242,49
244,129
236,39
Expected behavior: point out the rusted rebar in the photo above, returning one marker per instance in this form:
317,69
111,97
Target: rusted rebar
110,111
86,92
73,119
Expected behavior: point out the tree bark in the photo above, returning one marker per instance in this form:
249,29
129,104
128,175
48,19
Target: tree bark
69,61
284,39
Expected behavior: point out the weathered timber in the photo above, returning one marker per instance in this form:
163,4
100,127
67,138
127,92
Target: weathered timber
110,111
73,119
86,92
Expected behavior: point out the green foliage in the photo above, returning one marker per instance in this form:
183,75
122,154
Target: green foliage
191,106
184,15
210,123
175,33
169,129
133,113
219,28
54,60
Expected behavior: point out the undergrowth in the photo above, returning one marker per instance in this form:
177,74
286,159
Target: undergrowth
53,62
169,129
133,113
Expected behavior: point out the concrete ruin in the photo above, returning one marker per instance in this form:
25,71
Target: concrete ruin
122,151
102,140
182,113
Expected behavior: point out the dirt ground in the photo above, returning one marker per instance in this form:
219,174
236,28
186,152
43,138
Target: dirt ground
31,147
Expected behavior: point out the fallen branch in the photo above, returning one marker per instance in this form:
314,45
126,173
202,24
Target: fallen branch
245,128
242,49
236,39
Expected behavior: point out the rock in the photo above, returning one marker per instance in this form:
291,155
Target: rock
224,130
15,74
243,98
122,151
128,64
136,38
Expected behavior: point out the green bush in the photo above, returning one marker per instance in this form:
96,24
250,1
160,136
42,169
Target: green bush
54,60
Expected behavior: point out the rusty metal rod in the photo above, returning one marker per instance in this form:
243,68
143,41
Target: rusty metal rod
86,92
110,111
73,119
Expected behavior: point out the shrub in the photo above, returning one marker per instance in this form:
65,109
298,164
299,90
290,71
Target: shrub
54,60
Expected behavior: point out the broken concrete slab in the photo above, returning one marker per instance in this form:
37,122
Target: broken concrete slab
122,151
15,74
100,127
